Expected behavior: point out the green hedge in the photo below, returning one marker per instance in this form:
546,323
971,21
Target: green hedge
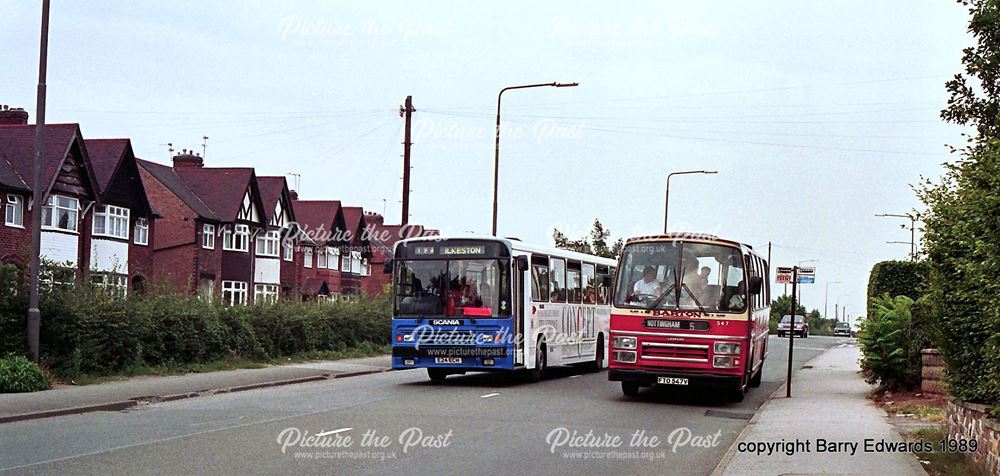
889,355
18,374
896,278
91,332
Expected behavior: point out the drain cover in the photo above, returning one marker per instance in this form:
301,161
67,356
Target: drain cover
733,415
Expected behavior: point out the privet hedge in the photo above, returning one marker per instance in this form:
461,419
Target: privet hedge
87,331
896,278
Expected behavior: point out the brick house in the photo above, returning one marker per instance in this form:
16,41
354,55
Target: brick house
354,252
382,238
71,192
208,220
321,223
121,247
275,269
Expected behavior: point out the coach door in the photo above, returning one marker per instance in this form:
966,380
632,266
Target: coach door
520,303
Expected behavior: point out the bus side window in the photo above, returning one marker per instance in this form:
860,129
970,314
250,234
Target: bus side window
573,288
602,289
540,278
557,280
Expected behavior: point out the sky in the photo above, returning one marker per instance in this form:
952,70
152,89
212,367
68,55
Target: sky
816,115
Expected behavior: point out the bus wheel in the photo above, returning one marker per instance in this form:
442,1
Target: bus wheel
737,394
598,362
630,389
535,374
437,375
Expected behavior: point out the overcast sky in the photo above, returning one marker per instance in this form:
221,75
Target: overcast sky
817,115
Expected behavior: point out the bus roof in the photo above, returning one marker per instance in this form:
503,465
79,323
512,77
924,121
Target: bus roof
517,245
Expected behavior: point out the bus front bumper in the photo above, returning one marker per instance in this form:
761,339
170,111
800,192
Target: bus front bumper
647,378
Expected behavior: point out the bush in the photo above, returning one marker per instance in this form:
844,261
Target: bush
888,358
18,374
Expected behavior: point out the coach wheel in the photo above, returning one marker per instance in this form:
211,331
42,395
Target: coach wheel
630,389
535,374
755,380
437,375
737,393
598,362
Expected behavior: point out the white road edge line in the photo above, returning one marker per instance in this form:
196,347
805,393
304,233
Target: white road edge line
489,395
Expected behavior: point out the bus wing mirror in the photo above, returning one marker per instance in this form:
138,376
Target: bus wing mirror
387,267
756,283
522,263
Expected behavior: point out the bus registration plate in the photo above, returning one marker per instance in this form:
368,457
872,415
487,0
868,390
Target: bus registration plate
447,360
671,381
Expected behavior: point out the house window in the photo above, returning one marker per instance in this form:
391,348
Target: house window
206,288
267,244
111,221
15,211
234,292
265,293
208,237
321,258
51,277
60,213
364,267
236,238
345,263
307,257
356,262
113,283
334,258
289,251
141,231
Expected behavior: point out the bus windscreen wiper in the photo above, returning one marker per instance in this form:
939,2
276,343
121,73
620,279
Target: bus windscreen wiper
662,296
700,307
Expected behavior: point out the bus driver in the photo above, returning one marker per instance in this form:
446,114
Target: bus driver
648,284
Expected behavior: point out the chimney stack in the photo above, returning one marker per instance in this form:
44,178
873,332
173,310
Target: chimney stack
188,158
293,194
13,116
373,218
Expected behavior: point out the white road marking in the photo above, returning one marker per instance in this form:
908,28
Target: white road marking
574,376
488,395
333,432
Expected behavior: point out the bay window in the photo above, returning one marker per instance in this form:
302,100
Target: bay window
60,213
236,238
111,221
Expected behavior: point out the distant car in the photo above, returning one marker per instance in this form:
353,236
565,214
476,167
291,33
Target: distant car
801,326
843,329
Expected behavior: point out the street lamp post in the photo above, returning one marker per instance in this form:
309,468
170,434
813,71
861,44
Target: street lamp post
836,307
913,231
496,152
666,200
34,317
826,299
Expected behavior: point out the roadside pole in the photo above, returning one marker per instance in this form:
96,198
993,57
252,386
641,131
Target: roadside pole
791,333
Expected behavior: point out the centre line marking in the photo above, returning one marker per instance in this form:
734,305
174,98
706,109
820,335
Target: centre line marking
488,395
333,432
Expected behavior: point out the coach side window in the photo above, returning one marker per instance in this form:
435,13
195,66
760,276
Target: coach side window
602,290
589,292
540,278
573,282
557,280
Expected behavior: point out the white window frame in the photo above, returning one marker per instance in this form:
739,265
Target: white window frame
114,282
288,250
345,263
322,258
265,293
15,205
236,238
356,262
307,257
141,233
234,292
335,262
267,244
208,236
53,206
113,219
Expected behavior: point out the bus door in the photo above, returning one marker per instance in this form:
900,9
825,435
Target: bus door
519,313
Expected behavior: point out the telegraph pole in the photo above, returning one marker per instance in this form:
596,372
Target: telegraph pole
37,191
406,112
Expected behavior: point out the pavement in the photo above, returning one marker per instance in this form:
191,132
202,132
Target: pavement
828,405
115,396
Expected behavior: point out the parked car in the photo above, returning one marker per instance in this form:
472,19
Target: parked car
801,326
843,329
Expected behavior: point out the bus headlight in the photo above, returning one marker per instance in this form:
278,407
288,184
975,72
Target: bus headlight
727,348
408,362
623,356
725,362
624,343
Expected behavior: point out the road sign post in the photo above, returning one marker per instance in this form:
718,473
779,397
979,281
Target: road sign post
791,333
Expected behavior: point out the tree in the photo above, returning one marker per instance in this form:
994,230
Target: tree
596,243
968,104
782,306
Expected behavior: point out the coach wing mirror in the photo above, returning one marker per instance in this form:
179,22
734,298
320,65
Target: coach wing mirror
387,267
756,282
522,263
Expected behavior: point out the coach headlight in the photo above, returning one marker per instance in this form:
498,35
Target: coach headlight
623,342
727,348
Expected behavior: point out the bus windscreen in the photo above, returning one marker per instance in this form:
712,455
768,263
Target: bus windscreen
452,288
681,276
